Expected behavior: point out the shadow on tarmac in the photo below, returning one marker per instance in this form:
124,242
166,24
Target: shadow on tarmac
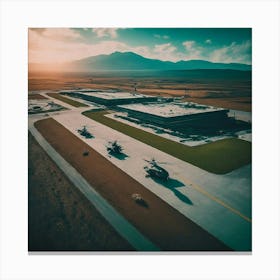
173,184
120,156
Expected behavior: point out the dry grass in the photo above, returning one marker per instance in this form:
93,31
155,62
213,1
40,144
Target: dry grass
67,100
161,223
234,103
229,93
59,216
36,96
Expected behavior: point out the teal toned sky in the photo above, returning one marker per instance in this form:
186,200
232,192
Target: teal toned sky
173,44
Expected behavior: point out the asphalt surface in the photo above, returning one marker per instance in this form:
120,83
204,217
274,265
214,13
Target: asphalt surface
218,203
121,225
221,204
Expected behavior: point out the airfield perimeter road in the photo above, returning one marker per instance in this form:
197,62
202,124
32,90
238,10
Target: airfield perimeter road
117,187
122,226
221,204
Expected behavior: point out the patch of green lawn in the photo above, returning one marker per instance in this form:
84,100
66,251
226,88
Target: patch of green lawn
218,157
67,100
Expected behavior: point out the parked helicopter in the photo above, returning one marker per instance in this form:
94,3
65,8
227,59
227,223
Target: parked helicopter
156,171
84,132
114,148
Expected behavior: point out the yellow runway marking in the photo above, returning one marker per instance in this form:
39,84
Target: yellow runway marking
218,201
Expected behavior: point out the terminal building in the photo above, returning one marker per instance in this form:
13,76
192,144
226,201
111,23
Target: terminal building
110,98
176,114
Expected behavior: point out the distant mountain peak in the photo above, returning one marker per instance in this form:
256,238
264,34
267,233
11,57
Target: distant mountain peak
131,61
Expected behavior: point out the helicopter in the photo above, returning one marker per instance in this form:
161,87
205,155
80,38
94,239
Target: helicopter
155,171
84,132
114,148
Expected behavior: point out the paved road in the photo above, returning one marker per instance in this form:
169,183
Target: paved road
218,203
121,225
221,204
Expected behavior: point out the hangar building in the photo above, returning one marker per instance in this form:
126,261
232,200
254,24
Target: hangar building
176,113
110,98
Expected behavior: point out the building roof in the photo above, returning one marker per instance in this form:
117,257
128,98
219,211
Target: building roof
172,109
114,95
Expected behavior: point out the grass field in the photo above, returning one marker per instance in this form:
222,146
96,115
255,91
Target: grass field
67,100
219,157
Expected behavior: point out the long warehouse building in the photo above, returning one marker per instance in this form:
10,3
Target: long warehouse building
176,113
111,98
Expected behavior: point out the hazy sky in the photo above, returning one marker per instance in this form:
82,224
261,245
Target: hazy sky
173,44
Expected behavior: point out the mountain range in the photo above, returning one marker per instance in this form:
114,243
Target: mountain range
131,61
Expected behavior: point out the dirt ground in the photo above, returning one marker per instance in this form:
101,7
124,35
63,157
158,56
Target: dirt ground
161,223
234,103
227,92
59,217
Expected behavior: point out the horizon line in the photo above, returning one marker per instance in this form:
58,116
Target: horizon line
140,56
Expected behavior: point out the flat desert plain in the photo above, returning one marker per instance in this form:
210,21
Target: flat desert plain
222,88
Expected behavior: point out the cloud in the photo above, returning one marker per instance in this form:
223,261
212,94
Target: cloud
161,36
163,52
50,48
188,45
193,51
57,34
233,53
46,50
61,34
230,53
105,32
56,45
44,39
164,48
166,52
